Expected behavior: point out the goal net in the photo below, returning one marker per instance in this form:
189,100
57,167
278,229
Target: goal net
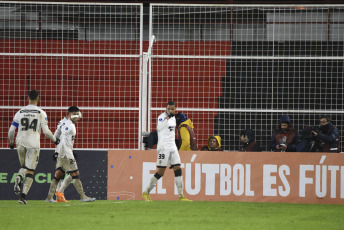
227,67
236,67
74,54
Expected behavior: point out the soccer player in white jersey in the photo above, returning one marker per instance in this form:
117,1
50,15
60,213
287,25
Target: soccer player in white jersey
66,161
60,174
29,121
167,152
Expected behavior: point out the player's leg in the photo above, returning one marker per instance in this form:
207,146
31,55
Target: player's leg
162,159
31,161
178,180
69,165
160,172
78,186
58,188
22,171
61,187
55,156
59,173
72,169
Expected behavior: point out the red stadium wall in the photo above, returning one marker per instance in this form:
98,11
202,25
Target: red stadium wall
69,46
106,82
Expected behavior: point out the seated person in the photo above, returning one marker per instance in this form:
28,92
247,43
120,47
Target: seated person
328,136
214,144
248,142
284,137
186,134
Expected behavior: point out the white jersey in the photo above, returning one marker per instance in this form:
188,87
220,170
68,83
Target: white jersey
29,121
58,131
68,133
166,132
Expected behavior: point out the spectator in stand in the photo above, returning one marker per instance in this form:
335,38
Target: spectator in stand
328,135
214,144
248,141
186,134
284,138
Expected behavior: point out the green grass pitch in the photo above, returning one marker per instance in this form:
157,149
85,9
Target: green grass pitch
164,215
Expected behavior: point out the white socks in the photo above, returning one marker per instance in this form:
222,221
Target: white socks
179,183
65,183
151,185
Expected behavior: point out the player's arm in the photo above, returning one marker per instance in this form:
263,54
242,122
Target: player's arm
48,133
12,130
46,130
11,133
58,132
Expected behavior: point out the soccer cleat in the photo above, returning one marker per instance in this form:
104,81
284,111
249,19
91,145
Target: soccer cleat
17,185
58,199
183,198
60,196
146,196
50,201
22,201
88,199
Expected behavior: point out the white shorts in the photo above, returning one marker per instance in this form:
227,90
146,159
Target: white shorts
167,156
28,157
67,165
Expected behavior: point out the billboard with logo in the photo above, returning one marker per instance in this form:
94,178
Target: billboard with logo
232,176
92,166
211,176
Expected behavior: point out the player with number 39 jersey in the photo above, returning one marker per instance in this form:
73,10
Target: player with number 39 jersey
166,132
167,152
